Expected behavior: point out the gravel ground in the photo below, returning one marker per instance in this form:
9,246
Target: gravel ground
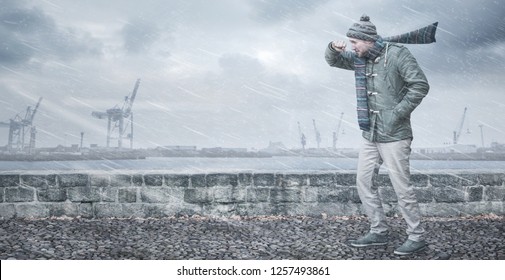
239,238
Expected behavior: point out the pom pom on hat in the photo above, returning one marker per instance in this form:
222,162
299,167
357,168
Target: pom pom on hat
363,30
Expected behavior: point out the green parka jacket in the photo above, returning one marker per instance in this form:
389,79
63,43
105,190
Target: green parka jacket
396,85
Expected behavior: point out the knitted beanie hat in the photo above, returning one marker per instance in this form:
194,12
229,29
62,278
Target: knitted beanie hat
363,30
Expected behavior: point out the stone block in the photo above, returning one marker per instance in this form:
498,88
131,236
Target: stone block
155,210
177,195
153,179
108,194
127,195
469,179
84,194
119,210
7,211
19,194
137,180
475,208
322,179
424,195
99,180
229,195
255,194
73,180
354,196
264,179
9,180
86,210
494,193
2,191
289,209
281,195
168,210
198,181
51,194
345,179
108,210
255,209
222,180
441,209
419,180
310,194
491,179
132,210
222,210
155,195
36,181
474,193
445,180
449,194
334,194
177,180
179,209
63,209
32,210
121,180
292,180
245,179
198,195
298,209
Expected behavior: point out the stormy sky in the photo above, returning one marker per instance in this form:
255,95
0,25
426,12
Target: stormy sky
230,73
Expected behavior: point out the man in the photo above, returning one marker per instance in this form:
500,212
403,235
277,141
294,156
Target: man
389,86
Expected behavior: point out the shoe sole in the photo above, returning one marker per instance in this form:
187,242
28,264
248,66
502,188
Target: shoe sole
409,253
368,245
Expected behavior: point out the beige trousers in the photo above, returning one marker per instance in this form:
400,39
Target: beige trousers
395,156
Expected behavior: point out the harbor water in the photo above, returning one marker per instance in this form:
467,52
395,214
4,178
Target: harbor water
210,165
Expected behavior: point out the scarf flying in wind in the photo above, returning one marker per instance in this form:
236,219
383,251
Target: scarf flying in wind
425,35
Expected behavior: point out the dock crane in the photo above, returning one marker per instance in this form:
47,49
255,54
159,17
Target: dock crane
318,135
302,136
335,134
457,134
120,118
18,128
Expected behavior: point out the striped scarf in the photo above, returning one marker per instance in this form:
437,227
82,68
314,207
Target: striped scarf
425,35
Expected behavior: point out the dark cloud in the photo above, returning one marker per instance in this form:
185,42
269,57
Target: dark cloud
139,34
466,30
247,69
467,24
12,49
279,10
29,32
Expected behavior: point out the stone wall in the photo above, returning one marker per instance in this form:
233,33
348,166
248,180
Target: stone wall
92,195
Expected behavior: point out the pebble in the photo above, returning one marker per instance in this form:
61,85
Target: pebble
248,238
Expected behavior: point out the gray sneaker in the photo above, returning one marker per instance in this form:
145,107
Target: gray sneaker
410,247
370,239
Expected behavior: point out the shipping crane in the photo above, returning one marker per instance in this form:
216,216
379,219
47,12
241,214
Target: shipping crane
457,134
481,135
120,118
302,136
318,135
335,134
18,127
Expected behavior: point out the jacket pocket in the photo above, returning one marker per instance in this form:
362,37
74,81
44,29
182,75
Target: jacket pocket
388,122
